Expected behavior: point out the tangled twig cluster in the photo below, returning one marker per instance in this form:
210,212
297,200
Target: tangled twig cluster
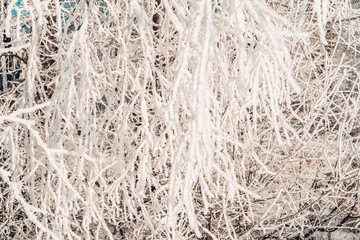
179,119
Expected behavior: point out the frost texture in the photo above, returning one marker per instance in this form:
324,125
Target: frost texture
179,119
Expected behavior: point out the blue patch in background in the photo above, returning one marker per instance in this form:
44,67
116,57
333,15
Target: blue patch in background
18,8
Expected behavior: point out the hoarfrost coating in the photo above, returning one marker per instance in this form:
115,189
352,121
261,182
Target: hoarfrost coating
179,119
